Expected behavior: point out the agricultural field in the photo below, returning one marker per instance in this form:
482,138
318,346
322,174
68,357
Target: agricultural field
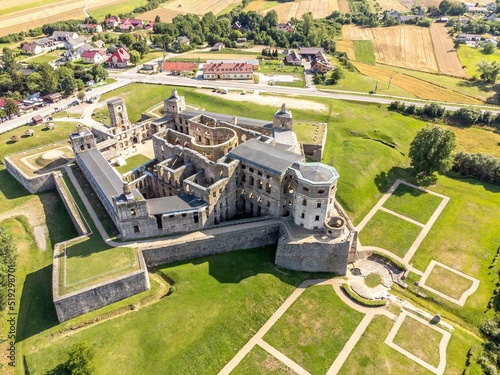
288,10
393,5
99,8
343,6
470,57
167,11
363,51
411,47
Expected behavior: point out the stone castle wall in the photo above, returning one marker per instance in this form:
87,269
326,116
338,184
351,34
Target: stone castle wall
263,233
76,217
74,304
34,184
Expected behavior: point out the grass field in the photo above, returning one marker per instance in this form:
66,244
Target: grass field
470,57
304,333
389,232
218,303
132,163
413,203
46,57
306,132
363,50
420,340
448,282
102,8
260,362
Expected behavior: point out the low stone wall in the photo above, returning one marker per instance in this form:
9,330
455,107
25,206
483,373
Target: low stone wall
35,184
261,234
74,304
74,213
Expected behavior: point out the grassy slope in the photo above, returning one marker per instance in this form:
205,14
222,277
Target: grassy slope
470,57
363,50
448,282
304,333
218,304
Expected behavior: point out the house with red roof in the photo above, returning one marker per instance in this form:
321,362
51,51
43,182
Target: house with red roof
111,22
126,26
176,68
228,71
93,56
119,59
137,23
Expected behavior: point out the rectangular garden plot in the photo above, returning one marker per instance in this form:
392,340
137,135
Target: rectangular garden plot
315,328
260,362
389,232
413,203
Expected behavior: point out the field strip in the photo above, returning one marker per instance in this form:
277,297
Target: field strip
444,51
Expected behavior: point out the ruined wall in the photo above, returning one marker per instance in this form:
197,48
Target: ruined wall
263,233
94,297
73,211
35,184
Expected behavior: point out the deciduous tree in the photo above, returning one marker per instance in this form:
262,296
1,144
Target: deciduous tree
431,150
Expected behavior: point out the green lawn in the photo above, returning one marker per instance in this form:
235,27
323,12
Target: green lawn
46,57
372,356
470,57
260,362
389,232
92,260
372,280
123,7
132,163
313,331
306,132
413,203
420,340
41,137
363,51
448,282
218,303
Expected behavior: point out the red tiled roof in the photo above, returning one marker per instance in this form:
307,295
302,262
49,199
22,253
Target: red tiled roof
121,56
228,68
180,66
89,54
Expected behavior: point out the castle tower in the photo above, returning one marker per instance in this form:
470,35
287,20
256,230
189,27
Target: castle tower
118,113
82,140
175,104
283,118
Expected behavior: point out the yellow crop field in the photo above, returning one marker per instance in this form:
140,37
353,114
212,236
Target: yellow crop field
446,56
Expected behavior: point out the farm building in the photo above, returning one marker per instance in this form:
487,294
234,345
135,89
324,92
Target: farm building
217,46
119,59
228,71
176,68
464,38
52,98
180,39
293,58
253,62
36,120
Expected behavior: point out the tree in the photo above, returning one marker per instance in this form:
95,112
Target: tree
337,75
98,72
489,48
68,85
489,72
141,46
431,150
126,39
81,95
434,110
81,359
11,107
157,19
49,78
135,57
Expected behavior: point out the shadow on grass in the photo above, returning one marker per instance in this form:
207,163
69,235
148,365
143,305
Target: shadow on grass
60,369
486,185
36,310
10,187
236,266
481,86
57,219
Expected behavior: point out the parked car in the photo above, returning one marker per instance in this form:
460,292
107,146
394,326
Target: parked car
89,89
75,102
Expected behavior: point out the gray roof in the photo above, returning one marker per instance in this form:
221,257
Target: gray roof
265,156
310,50
103,173
254,62
228,118
283,137
115,100
316,172
174,204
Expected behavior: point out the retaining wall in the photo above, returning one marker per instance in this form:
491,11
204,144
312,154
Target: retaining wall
73,211
35,184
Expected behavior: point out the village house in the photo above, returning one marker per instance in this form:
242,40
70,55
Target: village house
217,46
119,59
288,27
180,39
126,26
111,22
253,62
137,23
90,27
99,43
39,46
149,27
490,17
71,55
177,68
75,43
293,58
52,98
467,38
85,47
228,71
93,57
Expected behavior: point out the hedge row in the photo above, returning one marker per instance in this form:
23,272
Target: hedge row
362,301
395,262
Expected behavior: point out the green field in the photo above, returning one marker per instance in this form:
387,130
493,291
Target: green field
470,57
27,5
260,362
45,57
448,282
413,203
123,7
218,303
305,332
390,233
363,51
132,163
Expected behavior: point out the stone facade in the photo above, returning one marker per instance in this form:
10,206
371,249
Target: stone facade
35,184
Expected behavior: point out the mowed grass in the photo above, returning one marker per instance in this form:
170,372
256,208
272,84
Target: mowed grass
41,137
363,50
470,57
313,331
123,7
390,233
420,340
218,304
372,356
448,282
465,238
260,362
92,260
46,57
132,163
413,203
308,132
